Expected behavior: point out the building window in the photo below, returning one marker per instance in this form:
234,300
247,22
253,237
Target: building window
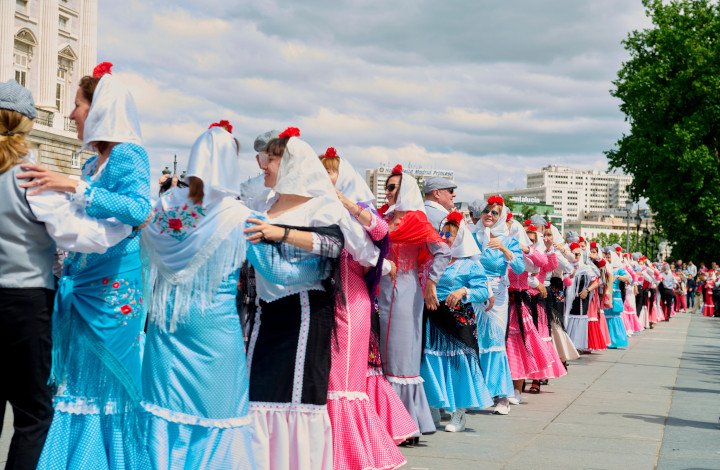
20,64
60,96
63,23
21,5
75,162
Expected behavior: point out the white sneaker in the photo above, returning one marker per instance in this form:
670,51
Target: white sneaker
435,413
516,399
457,421
502,407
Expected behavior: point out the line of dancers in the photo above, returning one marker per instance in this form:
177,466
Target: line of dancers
281,323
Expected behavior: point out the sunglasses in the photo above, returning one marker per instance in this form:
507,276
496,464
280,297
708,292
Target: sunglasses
391,187
445,234
493,212
450,190
577,254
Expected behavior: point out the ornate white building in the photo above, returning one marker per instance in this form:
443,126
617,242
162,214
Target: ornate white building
47,46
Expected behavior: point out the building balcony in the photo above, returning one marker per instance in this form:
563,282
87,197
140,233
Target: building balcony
70,125
44,117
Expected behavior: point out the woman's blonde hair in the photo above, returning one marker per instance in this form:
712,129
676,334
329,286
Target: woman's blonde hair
332,163
13,148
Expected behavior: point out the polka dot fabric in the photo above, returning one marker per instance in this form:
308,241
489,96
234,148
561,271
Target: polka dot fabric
121,191
360,441
89,441
530,355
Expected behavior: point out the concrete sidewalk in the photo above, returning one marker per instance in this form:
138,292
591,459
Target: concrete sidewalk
653,405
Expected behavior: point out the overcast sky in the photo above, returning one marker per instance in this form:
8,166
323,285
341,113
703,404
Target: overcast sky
488,89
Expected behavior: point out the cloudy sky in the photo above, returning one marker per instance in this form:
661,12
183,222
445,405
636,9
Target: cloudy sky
488,89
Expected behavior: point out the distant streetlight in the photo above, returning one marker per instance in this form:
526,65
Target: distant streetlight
628,207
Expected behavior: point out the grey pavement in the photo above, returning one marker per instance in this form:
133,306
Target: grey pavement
652,405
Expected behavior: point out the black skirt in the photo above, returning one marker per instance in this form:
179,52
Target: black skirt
290,349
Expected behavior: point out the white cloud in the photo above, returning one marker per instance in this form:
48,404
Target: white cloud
487,89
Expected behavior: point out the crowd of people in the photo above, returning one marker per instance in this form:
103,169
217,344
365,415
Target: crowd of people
285,322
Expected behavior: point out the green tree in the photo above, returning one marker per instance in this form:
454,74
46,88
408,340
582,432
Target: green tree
670,93
528,211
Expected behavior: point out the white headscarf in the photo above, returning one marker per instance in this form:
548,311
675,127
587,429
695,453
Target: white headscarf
112,116
464,246
301,172
254,188
352,185
409,197
499,229
191,247
215,161
517,231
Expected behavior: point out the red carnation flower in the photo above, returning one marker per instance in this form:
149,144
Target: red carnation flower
115,285
125,309
509,216
101,69
105,281
618,249
574,246
496,200
397,170
593,244
532,228
175,224
456,217
528,222
290,132
331,153
224,124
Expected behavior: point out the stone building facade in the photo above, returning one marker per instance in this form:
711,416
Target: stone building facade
47,46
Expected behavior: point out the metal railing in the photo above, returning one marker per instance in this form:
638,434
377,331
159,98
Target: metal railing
44,117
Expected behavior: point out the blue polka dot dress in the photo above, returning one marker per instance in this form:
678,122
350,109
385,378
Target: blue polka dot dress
98,327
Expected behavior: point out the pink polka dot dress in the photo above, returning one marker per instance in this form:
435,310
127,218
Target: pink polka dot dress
360,439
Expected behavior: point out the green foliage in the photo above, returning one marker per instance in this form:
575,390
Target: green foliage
670,93
527,211
636,243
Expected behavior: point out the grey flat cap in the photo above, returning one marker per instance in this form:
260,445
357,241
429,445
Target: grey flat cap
636,256
437,182
572,237
16,97
262,140
476,207
538,220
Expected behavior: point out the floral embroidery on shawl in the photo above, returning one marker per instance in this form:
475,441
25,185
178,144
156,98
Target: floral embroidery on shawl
464,315
123,296
177,221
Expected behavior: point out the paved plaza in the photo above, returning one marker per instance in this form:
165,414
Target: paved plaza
653,405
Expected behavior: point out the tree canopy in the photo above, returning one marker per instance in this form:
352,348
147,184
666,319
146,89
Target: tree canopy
670,93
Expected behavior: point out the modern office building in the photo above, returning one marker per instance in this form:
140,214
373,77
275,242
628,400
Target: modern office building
376,178
47,46
574,193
